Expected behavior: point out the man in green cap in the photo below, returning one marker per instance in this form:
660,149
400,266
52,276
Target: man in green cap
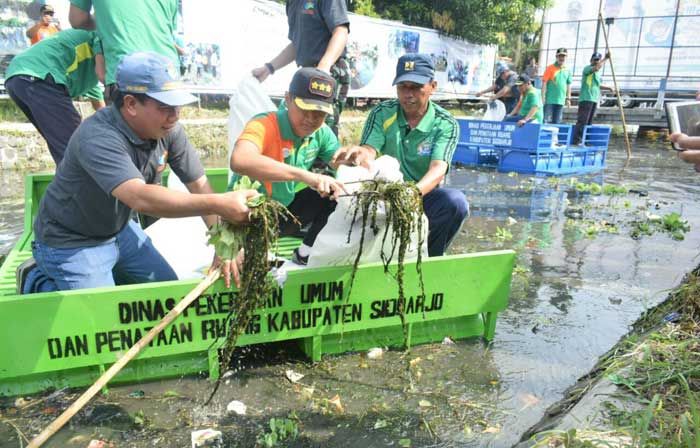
127,26
43,80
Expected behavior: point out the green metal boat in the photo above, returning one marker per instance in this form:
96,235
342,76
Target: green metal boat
68,338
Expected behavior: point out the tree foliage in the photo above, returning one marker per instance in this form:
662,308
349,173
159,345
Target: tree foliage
478,21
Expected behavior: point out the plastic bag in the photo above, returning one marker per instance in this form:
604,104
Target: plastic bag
332,247
183,244
495,111
247,100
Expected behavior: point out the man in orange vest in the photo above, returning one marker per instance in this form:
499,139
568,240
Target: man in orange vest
45,26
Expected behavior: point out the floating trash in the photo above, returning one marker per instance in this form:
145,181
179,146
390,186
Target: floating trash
375,353
210,438
237,407
672,317
293,376
448,341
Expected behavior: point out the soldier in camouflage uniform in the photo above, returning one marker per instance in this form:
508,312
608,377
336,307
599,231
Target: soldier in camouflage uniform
318,31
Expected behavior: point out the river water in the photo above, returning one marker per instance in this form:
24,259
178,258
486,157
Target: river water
576,290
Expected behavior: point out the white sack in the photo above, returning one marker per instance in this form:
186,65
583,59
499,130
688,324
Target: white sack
183,243
495,111
332,248
247,101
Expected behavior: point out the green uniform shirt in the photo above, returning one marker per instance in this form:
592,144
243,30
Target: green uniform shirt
590,85
126,26
272,133
68,56
435,137
557,79
532,98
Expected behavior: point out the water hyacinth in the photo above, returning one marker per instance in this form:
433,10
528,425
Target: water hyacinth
404,215
257,239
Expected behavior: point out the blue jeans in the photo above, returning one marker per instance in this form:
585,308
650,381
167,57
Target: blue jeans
513,118
553,113
510,103
128,258
446,209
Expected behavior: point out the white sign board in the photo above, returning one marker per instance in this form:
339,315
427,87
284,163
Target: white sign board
244,34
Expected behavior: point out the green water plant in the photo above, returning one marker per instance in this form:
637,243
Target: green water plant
282,431
257,239
671,223
502,234
592,188
404,217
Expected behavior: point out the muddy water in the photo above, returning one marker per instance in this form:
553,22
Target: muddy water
576,291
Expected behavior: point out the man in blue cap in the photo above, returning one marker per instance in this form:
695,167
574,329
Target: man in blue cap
83,234
423,137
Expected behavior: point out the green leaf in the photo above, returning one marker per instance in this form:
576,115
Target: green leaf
620,380
244,183
256,201
381,424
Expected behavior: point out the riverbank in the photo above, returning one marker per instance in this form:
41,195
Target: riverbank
645,392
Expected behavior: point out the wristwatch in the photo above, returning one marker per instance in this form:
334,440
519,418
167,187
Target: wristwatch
270,68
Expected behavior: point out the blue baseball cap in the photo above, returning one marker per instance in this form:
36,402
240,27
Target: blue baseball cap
414,67
500,68
153,75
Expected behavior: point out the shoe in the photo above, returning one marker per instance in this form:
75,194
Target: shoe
22,273
298,259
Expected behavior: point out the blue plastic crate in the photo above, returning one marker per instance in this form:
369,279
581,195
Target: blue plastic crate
597,135
532,148
473,155
553,162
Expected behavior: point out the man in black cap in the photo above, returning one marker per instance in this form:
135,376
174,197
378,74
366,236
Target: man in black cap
318,31
423,137
278,149
529,107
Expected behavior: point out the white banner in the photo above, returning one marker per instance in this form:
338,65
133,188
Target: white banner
225,40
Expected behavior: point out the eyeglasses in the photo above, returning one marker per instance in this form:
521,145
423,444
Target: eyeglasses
48,13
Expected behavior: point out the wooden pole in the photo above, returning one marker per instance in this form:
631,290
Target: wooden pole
617,90
117,366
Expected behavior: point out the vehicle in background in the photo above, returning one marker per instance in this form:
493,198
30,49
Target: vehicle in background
655,51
